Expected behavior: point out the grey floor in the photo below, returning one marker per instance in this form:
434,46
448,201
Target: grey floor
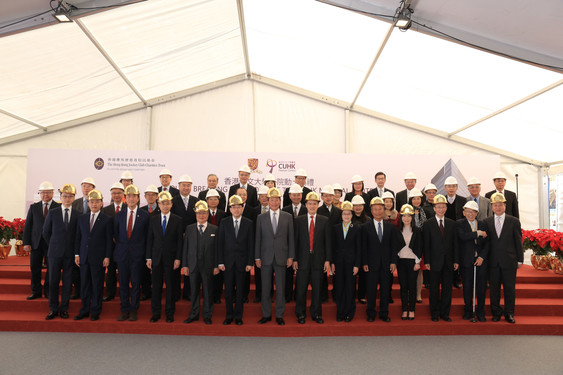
81,353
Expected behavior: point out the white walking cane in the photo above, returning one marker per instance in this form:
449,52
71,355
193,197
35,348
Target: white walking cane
473,320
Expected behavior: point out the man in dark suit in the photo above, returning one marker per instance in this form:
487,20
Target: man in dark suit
312,258
380,179
473,249
151,195
430,192
235,257
506,255
164,255
379,257
244,175
59,231
484,204
33,241
93,248
499,180
300,179
212,182
199,261
441,258
454,212
165,180
216,215
263,207
130,235
274,252
403,196
111,210
183,205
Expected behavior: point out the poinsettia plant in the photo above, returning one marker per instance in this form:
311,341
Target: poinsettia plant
543,241
18,226
6,231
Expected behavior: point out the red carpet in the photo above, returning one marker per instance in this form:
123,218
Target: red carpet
539,311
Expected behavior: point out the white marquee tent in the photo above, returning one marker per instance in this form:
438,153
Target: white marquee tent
288,75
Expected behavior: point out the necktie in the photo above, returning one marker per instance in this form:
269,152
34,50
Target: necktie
244,187
263,209
130,226
150,209
380,231
92,222
274,223
85,205
498,226
117,208
164,188
380,192
201,229
186,202
236,228
441,227
294,211
311,233
66,218
475,199
450,199
163,225
45,210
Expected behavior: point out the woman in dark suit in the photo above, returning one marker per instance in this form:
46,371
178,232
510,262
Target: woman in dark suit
410,245
419,217
358,190
359,218
346,259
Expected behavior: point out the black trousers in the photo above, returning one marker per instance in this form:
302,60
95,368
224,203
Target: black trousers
289,287
76,278
374,278
130,271
480,288
204,279
362,286
305,276
407,281
440,300
92,287
506,277
36,257
111,279
58,266
178,291
344,286
164,271
234,279
218,286
146,281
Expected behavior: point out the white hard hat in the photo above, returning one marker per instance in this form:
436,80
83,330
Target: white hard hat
117,185
88,180
46,185
357,199
430,187
126,175
410,176
151,189
244,168
212,193
165,172
450,181
415,192
357,178
337,186
295,189
327,189
269,177
473,181
301,172
472,205
185,178
263,190
387,195
499,174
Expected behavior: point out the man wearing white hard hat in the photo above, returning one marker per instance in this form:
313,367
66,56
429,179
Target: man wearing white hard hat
251,193
455,201
430,192
81,204
212,182
402,197
165,177
300,179
379,189
33,241
473,251
499,179
151,195
484,204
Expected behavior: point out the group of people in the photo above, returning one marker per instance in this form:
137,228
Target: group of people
215,240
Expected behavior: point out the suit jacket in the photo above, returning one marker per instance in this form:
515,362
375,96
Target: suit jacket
485,209
440,251
172,190
93,246
33,229
282,244
189,253
455,210
375,193
78,205
251,199
220,216
287,200
428,210
334,216
155,211
322,251
165,247
289,210
178,208
136,246
236,252
347,251
415,243
367,207
110,209
511,202
505,251
222,198
470,243
400,199
379,255
59,238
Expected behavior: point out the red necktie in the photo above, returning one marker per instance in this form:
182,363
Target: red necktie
45,209
164,188
117,208
311,233
130,226
441,227
150,209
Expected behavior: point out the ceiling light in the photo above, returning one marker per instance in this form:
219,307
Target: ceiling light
403,14
62,14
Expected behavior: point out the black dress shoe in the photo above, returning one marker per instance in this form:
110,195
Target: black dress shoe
319,319
385,319
496,318
124,316
33,296
81,316
52,315
280,321
481,318
207,321
245,300
191,319
227,322
324,300
154,318
509,318
169,319
257,300
64,314
264,320
217,301
419,300
391,300
108,298
75,296
404,317
457,284
435,319
144,298
467,316
446,318
301,319
95,317
132,316
238,322
348,319
371,319
339,319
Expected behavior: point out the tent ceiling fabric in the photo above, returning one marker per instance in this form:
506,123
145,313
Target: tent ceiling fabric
57,74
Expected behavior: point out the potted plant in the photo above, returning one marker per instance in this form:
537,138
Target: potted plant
6,233
18,226
539,241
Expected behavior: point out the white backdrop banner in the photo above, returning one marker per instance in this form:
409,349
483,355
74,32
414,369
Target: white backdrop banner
105,167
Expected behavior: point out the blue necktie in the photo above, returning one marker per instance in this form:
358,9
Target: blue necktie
85,205
379,231
164,225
